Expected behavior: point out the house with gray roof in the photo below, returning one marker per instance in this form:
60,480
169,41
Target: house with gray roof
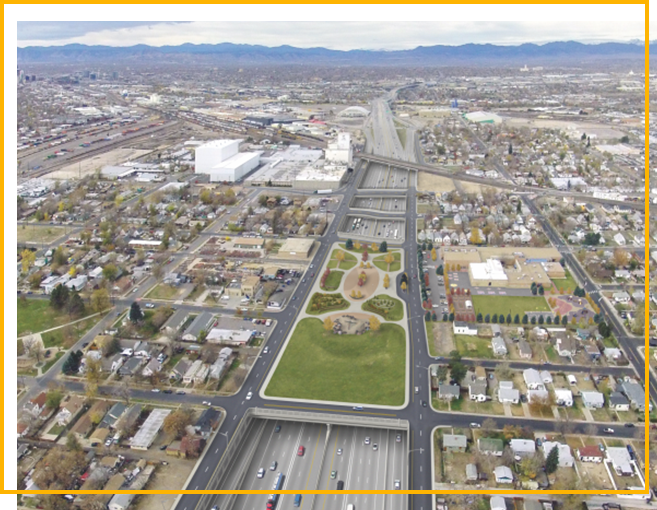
477,391
490,446
131,367
115,412
454,443
202,322
175,323
618,401
593,399
449,391
635,393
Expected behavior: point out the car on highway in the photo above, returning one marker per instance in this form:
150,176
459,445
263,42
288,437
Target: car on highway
397,484
277,429
398,438
180,392
368,440
474,425
339,452
629,425
301,451
249,395
297,500
333,474
261,473
311,266
417,390
207,403
273,466
608,430
303,281
215,507
424,403
155,390
358,408
265,350
375,447
168,392
340,485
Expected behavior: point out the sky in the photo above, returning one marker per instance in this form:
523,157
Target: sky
345,35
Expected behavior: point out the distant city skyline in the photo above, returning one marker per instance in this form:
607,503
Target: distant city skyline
344,35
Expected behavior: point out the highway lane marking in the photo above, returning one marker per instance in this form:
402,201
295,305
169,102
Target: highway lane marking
216,451
206,469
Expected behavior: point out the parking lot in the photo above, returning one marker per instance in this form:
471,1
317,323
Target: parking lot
383,177
374,229
360,458
392,203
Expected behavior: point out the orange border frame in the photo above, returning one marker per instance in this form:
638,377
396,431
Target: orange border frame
47,9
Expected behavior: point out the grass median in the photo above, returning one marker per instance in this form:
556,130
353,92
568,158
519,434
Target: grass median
360,369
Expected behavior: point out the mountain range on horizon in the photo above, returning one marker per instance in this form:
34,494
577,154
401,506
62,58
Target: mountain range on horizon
246,54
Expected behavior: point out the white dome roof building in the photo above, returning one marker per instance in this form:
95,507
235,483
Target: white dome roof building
354,111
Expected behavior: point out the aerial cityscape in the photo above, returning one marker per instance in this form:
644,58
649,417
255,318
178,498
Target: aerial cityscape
265,267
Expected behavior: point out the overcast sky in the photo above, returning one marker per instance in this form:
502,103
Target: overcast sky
333,35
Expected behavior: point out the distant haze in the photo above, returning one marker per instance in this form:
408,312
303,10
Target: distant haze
348,35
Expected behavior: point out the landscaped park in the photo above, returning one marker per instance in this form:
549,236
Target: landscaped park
343,347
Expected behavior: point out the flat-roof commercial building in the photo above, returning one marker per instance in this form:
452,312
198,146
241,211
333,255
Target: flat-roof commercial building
249,243
146,434
296,248
282,168
486,273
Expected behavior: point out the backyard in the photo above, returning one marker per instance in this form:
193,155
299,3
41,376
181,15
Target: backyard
363,369
509,304
473,347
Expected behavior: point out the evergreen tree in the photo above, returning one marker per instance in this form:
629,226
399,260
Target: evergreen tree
434,317
59,297
501,318
533,321
564,320
541,291
494,318
135,315
487,318
540,319
440,271
349,244
445,317
451,317
548,320
509,319
383,247
75,307
510,149
480,318
525,319
552,461
516,319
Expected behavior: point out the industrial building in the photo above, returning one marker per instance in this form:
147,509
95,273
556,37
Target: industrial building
305,169
146,434
222,161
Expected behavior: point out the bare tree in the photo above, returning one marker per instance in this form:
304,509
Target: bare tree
34,348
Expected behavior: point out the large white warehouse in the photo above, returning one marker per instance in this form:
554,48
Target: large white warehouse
222,161
340,151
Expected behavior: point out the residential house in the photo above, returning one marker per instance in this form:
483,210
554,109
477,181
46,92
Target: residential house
207,422
592,352
563,397
175,323
620,460
464,328
490,446
99,436
217,369
454,443
524,349
23,429
84,425
621,297
541,396
129,418
477,391
498,502
70,410
120,501
499,346
583,334
533,379
503,474
471,473
179,371
522,447
613,355
112,364
565,455
113,415
593,399
565,346
480,374
507,394
618,401
131,367
146,350
635,393
152,367
37,405
191,371
496,330
201,374
539,334
546,377
202,322
590,454
449,392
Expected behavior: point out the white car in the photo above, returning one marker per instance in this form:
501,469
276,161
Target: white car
149,305
265,350
249,395
261,473
475,426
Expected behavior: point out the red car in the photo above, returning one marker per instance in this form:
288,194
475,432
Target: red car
301,451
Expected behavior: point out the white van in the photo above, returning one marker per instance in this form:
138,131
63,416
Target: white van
572,379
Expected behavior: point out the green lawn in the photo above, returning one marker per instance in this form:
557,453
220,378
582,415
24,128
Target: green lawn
473,347
35,315
363,369
394,307
51,362
333,281
567,283
163,291
348,262
509,304
39,234
68,335
380,262
317,297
